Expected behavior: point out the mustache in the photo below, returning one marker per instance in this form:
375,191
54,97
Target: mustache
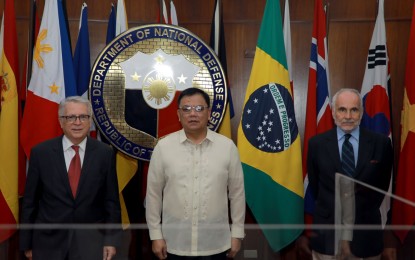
348,121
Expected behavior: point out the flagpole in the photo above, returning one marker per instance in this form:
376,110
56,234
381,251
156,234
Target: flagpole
327,22
32,24
221,12
377,9
65,12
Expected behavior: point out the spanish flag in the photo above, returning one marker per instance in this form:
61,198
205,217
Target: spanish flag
9,133
268,138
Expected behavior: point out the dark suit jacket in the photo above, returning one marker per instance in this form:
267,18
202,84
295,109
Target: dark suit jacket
374,167
48,200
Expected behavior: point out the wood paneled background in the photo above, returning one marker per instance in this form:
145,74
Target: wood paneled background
350,27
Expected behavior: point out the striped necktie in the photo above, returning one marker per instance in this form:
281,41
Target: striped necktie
348,163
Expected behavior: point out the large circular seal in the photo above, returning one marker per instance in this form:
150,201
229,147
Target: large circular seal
137,78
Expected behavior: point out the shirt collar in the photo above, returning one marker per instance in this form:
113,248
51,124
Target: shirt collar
183,137
354,133
67,144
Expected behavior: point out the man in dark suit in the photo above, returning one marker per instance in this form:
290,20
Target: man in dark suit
71,180
372,157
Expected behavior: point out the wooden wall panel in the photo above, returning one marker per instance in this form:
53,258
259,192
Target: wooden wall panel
398,37
301,46
401,9
243,11
350,27
196,12
351,10
300,11
348,49
239,59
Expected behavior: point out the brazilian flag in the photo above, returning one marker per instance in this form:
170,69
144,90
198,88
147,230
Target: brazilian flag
268,139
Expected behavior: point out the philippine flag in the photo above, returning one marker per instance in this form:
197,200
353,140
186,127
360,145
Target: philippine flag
52,78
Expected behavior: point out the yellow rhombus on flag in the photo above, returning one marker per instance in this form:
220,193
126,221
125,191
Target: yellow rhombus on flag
268,138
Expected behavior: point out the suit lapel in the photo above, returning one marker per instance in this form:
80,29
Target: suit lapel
365,148
333,148
60,163
88,159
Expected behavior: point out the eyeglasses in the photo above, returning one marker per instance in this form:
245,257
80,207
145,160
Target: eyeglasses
188,109
73,118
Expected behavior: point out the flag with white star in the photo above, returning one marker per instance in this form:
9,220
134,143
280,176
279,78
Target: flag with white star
52,78
403,213
268,123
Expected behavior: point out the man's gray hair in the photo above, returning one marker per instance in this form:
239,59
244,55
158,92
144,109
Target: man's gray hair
74,99
334,99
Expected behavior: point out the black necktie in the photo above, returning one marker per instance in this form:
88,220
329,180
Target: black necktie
348,164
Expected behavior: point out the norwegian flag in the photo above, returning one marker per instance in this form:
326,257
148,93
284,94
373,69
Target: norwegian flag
318,113
376,89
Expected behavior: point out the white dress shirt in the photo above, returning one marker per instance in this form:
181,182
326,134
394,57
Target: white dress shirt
69,153
188,189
